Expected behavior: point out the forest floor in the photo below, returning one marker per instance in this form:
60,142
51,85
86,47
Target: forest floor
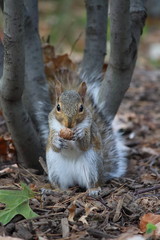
116,212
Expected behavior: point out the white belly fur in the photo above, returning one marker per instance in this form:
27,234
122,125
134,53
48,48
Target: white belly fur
72,166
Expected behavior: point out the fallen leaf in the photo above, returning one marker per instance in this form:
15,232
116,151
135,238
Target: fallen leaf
148,218
83,219
147,178
88,210
55,63
149,150
17,202
9,169
150,228
3,146
7,148
72,211
48,52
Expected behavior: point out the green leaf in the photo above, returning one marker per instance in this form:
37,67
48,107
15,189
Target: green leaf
17,202
150,228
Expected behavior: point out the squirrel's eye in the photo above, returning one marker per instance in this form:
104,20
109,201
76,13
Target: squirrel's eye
81,108
58,108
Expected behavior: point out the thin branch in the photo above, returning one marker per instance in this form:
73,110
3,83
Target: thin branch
96,32
144,190
25,138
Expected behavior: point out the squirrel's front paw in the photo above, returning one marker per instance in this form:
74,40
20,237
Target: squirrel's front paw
60,143
78,134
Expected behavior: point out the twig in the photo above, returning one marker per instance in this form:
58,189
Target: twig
100,199
97,233
43,216
147,189
117,214
43,164
75,42
31,174
149,196
73,198
65,227
152,168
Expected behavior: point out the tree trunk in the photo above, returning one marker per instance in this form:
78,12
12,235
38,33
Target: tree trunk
1,58
127,21
96,32
36,95
1,4
153,8
1,47
19,124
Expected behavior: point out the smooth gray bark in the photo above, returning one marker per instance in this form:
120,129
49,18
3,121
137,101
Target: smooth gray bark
1,58
127,21
96,33
153,8
1,46
1,4
36,95
18,121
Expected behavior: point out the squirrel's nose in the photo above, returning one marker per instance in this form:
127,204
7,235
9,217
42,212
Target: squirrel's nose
69,122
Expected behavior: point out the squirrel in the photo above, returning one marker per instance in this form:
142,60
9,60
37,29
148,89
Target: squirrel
94,153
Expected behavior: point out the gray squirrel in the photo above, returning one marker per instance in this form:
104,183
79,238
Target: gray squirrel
82,148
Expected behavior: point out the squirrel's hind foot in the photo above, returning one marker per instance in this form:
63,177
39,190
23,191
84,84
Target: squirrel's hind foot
94,191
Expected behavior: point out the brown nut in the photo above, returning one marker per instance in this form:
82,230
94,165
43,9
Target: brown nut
66,133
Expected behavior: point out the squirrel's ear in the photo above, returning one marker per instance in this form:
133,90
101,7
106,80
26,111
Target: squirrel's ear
82,90
58,88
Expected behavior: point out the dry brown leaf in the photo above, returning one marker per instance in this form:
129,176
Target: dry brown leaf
49,69
149,150
83,219
147,178
72,211
3,146
9,169
148,218
63,61
55,63
7,148
88,210
48,52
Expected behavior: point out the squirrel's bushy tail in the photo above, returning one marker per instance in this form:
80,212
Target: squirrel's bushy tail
114,149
